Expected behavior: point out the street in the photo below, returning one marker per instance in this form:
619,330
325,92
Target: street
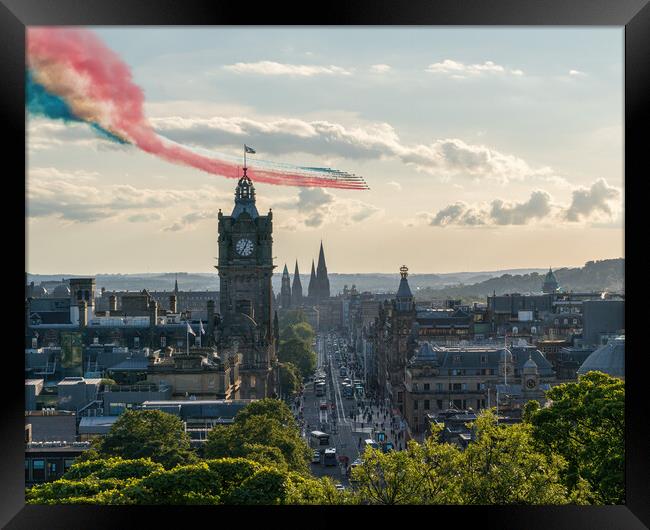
346,422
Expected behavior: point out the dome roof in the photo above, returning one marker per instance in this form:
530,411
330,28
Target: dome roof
530,364
61,290
39,290
426,354
609,359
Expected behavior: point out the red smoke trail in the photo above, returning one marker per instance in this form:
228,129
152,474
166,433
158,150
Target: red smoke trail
76,65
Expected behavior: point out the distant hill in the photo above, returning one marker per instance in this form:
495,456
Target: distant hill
602,275
595,275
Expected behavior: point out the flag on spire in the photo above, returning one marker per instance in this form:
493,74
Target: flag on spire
249,149
189,329
201,326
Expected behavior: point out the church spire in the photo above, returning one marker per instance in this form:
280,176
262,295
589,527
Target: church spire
311,289
404,297
176,284
296,288
285,289
321,276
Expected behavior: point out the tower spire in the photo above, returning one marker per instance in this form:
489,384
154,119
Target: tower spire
176,284
312,288
296,288
321,275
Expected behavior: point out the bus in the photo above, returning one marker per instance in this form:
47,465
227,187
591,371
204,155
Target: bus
330,457
318,439
371,443
320,388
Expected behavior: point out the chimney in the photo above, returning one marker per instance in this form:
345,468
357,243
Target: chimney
172,304
112,303
83,313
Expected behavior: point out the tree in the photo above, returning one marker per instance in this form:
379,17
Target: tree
267,408
148,434
585,424
299,353
292,316
503,467
246,435
289,379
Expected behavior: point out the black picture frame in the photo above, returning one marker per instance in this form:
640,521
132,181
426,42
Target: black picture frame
634,15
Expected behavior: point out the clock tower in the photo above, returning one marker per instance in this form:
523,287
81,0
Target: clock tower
245,265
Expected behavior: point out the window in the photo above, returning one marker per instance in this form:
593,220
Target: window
253,382
415,404
95,340
456,359
67,464
34,342
26,470
575,321
426,386
439,404
163,341
415,387
136,342
478,386
426,404
464,386
483,359
439,387
53,469
38,470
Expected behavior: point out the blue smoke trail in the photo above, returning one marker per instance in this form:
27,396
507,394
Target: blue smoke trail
41,103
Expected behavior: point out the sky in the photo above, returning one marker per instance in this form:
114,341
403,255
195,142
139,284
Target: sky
484,149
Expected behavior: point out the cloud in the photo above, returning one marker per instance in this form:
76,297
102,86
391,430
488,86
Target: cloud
576,73
190,220
458,213
144,217
316,207
538,207
442,158
597,198
395,185
380,68
62,195
273,68
458,70
43,134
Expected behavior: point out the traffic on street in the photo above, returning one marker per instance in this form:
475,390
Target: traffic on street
337,417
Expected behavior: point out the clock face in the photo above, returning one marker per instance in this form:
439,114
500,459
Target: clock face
244,247
530,383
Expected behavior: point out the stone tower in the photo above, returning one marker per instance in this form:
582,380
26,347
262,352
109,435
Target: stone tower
322,281
296,289
245,266
285,290
550,285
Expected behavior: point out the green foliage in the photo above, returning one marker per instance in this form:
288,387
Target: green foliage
500,467
244,437
266,486
585,424
290,377
267,408
118,468
62,490
298,352
290,317
148,434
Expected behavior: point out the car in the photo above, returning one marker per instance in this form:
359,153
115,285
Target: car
323,405
340,487
315,459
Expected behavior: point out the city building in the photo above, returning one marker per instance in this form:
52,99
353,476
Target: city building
608,358
245,266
